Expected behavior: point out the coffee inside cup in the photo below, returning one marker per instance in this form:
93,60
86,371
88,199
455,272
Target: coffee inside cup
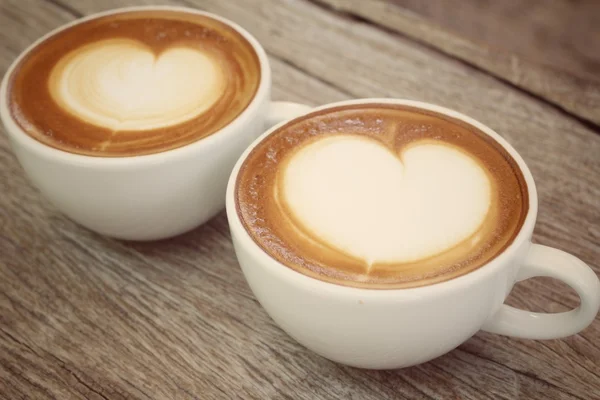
381,196
134,83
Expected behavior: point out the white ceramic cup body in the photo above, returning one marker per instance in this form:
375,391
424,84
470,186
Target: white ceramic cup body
397,328
144,197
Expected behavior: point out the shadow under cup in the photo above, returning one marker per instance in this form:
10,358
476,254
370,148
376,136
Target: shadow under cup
381,328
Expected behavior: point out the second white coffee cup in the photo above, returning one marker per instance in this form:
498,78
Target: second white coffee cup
392,328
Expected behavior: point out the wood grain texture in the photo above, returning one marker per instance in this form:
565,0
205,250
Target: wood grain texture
546,48
87,317
561,34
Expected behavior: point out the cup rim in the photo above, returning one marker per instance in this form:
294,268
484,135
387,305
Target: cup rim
310,283
218,138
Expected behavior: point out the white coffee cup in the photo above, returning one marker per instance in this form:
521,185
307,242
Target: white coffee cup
151,196
395,328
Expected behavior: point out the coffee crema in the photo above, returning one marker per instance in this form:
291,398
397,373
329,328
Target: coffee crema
134,83
381,196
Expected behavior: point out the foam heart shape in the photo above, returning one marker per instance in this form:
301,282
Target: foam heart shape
121,84
357,196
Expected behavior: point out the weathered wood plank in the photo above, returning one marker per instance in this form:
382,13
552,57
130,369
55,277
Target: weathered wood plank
497,43
562,34
83,316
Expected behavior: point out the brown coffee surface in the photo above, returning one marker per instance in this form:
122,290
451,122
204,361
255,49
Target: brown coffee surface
275,228
56,113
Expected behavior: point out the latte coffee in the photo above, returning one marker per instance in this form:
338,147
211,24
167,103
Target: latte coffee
134,83
381,196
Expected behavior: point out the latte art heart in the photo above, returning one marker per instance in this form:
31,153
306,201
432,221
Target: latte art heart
121,84
381,196
359,197
134,83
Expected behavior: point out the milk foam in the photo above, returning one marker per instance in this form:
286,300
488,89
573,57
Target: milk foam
360,198
120,84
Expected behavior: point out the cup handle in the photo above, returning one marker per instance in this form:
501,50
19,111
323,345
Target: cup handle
547,261
283,110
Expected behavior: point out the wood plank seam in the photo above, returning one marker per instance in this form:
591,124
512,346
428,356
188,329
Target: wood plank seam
519,372
66,8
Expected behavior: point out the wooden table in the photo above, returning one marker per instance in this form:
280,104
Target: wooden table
84,316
